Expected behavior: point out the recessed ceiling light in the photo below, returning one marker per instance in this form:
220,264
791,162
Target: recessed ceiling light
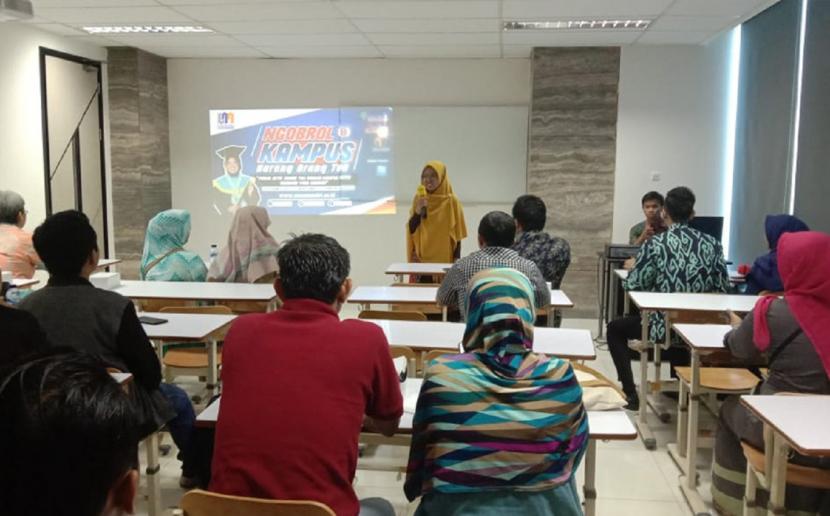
147,29
578,25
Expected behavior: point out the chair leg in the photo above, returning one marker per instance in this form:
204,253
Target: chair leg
682,419
750,490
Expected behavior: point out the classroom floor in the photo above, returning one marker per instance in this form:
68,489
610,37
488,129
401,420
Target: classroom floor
630,479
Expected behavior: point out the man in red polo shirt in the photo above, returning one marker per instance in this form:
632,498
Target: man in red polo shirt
298,385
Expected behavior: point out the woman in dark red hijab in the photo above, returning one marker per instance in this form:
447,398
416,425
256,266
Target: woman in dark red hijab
792,335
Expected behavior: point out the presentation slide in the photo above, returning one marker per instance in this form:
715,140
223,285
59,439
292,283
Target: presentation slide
303,161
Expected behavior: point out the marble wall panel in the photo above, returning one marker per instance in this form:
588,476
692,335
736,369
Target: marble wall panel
139,147
572,156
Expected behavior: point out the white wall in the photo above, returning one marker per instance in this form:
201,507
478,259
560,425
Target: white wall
195,86
21,142
671,120
672,110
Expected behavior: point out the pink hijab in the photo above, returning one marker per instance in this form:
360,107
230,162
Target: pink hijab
251,252
803,262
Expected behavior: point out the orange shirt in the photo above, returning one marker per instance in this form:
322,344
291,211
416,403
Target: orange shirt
17,254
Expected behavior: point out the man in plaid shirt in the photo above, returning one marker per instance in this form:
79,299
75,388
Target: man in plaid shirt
496,233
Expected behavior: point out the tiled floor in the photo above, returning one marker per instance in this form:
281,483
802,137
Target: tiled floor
630,479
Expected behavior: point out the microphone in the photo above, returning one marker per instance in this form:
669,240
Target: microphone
422,192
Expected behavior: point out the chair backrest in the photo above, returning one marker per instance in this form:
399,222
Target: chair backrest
213,309
409,354
403,315
204,503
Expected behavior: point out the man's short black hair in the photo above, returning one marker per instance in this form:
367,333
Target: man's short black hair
313,266
64,242
680,204
497,229
530,211
68,433
653,196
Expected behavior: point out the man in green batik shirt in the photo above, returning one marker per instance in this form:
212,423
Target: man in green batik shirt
681,259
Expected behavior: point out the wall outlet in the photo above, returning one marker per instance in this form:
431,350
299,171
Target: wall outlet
655,177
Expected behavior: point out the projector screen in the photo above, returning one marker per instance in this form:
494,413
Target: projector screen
303,161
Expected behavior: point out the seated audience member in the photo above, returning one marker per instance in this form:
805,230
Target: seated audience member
496,233
498,429
792,335
68,439
763,276
250,255
681,259
21,335
289,432
164,257
652,203
74,313
17,254
551,254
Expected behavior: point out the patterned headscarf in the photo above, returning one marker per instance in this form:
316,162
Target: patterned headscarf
164,257
499,417
500,315
251,252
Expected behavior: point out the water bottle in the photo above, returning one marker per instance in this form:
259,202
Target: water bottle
214,252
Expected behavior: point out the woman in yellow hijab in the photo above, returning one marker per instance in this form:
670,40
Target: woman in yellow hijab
436,219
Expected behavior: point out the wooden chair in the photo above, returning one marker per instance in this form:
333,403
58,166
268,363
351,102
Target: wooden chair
190,361
411,358
797,475
204,503
392,315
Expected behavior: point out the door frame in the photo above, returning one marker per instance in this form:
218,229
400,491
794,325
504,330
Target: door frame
48,52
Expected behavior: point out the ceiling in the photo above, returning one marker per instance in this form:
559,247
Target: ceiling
384,28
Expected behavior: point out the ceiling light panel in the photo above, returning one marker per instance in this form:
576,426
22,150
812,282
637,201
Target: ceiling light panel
615,25
146,29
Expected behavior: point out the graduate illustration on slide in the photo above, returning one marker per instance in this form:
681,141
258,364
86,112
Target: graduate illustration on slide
233,189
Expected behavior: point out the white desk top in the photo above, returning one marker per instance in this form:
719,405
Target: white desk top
802,420
418,268
196,291
395,295
613,425
107,262
685,301
425,295
560,342
703,336
734,276
23,282
194,327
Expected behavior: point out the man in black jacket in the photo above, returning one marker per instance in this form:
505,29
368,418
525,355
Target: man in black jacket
74,313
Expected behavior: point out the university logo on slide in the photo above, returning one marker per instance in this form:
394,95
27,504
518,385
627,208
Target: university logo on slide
225,119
